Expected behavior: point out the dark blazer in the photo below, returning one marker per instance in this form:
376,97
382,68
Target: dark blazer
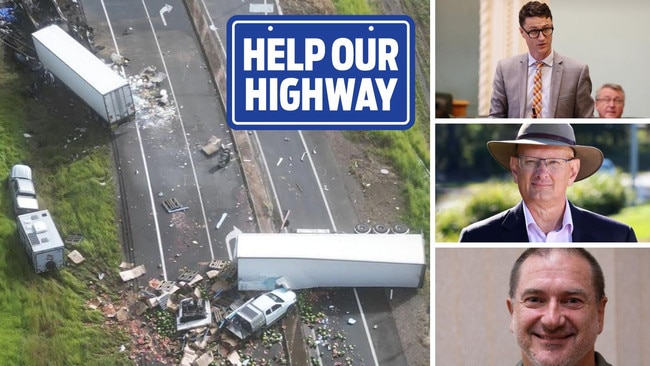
570,88
510,226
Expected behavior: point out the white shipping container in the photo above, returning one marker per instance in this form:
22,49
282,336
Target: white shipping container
297,261
103,89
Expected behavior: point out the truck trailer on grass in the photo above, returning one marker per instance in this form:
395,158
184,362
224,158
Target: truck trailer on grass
103,89
297,261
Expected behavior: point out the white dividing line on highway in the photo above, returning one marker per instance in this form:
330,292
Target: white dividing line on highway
266,167
320,186
365,325
214,28
144,161
143,155
187,144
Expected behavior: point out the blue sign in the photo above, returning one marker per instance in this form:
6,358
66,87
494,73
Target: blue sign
321,72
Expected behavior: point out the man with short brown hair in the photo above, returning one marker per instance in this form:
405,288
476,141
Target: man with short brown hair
557,307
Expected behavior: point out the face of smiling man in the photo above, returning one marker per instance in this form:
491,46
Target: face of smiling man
555,315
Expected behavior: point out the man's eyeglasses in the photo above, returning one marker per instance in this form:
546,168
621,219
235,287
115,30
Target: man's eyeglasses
530,163
616,101
534,33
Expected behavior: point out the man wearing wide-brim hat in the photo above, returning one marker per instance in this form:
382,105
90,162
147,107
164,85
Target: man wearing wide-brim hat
544,161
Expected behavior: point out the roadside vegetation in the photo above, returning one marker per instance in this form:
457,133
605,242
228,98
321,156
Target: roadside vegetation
408,152
45,319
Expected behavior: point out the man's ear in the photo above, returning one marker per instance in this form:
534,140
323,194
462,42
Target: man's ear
601,314
510,310
575,169
514,168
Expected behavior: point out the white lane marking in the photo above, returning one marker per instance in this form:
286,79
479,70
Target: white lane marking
232,235
165,9
372,347
320,186
260,8
144,161
187,144
365,326
214,29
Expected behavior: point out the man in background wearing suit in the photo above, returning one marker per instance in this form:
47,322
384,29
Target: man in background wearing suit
544,161
610,101
565,83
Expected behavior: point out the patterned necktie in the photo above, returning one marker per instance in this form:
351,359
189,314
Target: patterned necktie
537,91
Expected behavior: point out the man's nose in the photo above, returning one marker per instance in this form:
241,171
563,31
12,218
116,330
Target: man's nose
553,316
541,166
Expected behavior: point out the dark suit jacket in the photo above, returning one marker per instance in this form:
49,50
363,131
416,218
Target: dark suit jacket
570,88
510,226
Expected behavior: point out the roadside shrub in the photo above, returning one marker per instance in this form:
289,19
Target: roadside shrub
491,198
485,200
601,193
449,223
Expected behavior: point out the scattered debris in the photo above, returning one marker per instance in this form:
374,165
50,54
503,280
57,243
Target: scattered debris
126,265
133,273
211,146
193,313
223,217
162,98
172,205
384,171
223,157
119,60
74,239
76,257
127,31
351,321
279,162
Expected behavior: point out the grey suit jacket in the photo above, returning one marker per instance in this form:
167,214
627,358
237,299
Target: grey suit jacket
570,93
510,226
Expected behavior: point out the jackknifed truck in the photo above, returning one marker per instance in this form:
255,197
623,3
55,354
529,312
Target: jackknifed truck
102,88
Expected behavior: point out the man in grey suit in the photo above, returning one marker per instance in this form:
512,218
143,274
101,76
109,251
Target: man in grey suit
565,83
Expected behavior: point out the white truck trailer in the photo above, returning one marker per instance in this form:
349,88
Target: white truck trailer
103,89
296,261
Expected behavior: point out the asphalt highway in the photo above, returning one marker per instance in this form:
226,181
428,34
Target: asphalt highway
158,157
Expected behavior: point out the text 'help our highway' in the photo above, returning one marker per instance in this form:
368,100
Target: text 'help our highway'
320,72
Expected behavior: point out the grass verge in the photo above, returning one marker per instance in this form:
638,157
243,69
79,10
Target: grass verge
45,320
408,152
637,217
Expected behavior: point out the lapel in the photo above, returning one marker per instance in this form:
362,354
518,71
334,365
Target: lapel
556,81
514,225
522,74
580,225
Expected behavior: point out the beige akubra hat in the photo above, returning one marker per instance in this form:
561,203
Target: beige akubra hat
552,135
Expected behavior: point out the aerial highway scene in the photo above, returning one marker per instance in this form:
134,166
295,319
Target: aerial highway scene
187,241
